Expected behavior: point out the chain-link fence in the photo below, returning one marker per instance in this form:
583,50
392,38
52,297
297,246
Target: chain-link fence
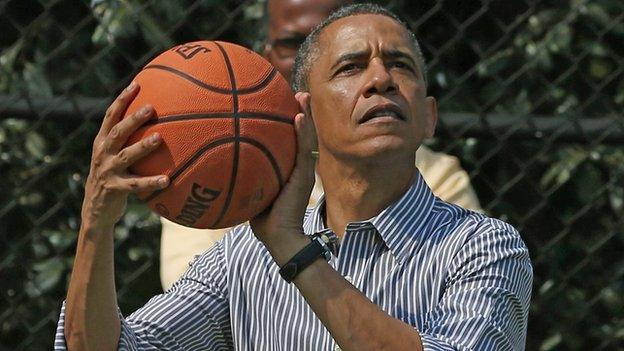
531,95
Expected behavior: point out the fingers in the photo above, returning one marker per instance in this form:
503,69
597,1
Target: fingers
129,155
303,99
120,132
304,126
115,111
139,184
113,172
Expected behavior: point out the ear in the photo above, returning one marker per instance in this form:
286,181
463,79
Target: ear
432,116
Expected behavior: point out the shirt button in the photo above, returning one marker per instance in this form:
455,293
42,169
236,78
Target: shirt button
337,348
350,280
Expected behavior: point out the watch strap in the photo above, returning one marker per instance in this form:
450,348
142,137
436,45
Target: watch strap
302,259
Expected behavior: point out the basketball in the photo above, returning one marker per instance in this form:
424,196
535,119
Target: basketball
226,117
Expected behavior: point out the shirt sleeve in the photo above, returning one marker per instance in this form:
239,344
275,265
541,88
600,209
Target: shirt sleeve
195,311
486,301
446,178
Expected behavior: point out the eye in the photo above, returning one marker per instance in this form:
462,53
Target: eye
349,68
401,65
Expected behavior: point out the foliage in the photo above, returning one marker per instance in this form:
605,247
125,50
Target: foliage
525,58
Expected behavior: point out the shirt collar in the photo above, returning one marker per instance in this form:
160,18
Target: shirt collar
400,225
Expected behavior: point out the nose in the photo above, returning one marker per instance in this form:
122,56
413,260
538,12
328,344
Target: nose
379,80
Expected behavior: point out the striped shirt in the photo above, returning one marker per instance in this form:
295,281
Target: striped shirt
461,279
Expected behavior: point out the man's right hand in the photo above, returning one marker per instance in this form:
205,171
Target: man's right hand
109,181
91,319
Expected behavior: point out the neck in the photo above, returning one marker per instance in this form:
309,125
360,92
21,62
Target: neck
357,191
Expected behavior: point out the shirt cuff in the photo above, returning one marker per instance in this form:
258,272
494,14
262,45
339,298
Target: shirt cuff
126,340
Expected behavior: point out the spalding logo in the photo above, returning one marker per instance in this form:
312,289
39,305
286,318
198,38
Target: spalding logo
196,204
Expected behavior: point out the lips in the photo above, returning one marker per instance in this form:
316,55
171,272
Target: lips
386,110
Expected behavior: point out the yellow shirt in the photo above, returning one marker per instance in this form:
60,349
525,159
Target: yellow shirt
442,172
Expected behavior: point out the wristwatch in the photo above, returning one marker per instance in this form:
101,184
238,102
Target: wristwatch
319,247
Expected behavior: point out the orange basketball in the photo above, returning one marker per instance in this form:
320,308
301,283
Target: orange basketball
226,117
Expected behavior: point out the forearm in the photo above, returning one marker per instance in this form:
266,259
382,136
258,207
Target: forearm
353,320
92,320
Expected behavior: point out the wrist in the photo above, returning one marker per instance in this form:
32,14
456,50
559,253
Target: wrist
90,230
284,247
314,251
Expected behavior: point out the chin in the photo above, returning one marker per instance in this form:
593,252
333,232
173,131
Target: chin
385,147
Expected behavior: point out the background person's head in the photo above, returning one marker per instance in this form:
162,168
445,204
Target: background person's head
288,24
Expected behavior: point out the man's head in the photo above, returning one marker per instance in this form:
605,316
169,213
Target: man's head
288,24
309,48
365,73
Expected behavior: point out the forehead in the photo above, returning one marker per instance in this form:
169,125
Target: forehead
364,32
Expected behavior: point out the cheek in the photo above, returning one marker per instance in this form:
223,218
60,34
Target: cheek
411,86
342,100
337,104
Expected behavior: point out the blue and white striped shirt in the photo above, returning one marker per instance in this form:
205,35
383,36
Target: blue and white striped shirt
463,280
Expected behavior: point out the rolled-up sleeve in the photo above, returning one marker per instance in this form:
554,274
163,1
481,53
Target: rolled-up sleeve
195,311
486,301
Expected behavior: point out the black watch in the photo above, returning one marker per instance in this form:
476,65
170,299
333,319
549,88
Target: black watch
316,249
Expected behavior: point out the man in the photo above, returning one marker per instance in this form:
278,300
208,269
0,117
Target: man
288,23
410,272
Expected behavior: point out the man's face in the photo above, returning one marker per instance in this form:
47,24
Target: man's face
368,93
290,21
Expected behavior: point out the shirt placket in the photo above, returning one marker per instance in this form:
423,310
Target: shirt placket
355,249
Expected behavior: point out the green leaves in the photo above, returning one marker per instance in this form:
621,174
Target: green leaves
560,171
45,276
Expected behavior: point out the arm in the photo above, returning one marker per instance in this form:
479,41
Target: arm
486,298
91,318
194,311
351,318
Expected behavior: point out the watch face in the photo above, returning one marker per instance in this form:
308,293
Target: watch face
329,239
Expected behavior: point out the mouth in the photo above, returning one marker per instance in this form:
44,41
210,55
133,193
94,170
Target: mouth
383,112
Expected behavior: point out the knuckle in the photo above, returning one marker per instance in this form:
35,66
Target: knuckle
109,111
98,148
108,186
154,183
123,157
102,176
137,116
97,163
115,132
134,184
114,136
147,144
96,142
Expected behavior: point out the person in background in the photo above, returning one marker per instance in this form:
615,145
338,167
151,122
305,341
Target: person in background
288,24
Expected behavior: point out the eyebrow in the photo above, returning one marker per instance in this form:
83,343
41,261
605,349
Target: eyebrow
400,54
348,57
386,54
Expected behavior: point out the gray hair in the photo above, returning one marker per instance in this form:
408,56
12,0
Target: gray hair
309,50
